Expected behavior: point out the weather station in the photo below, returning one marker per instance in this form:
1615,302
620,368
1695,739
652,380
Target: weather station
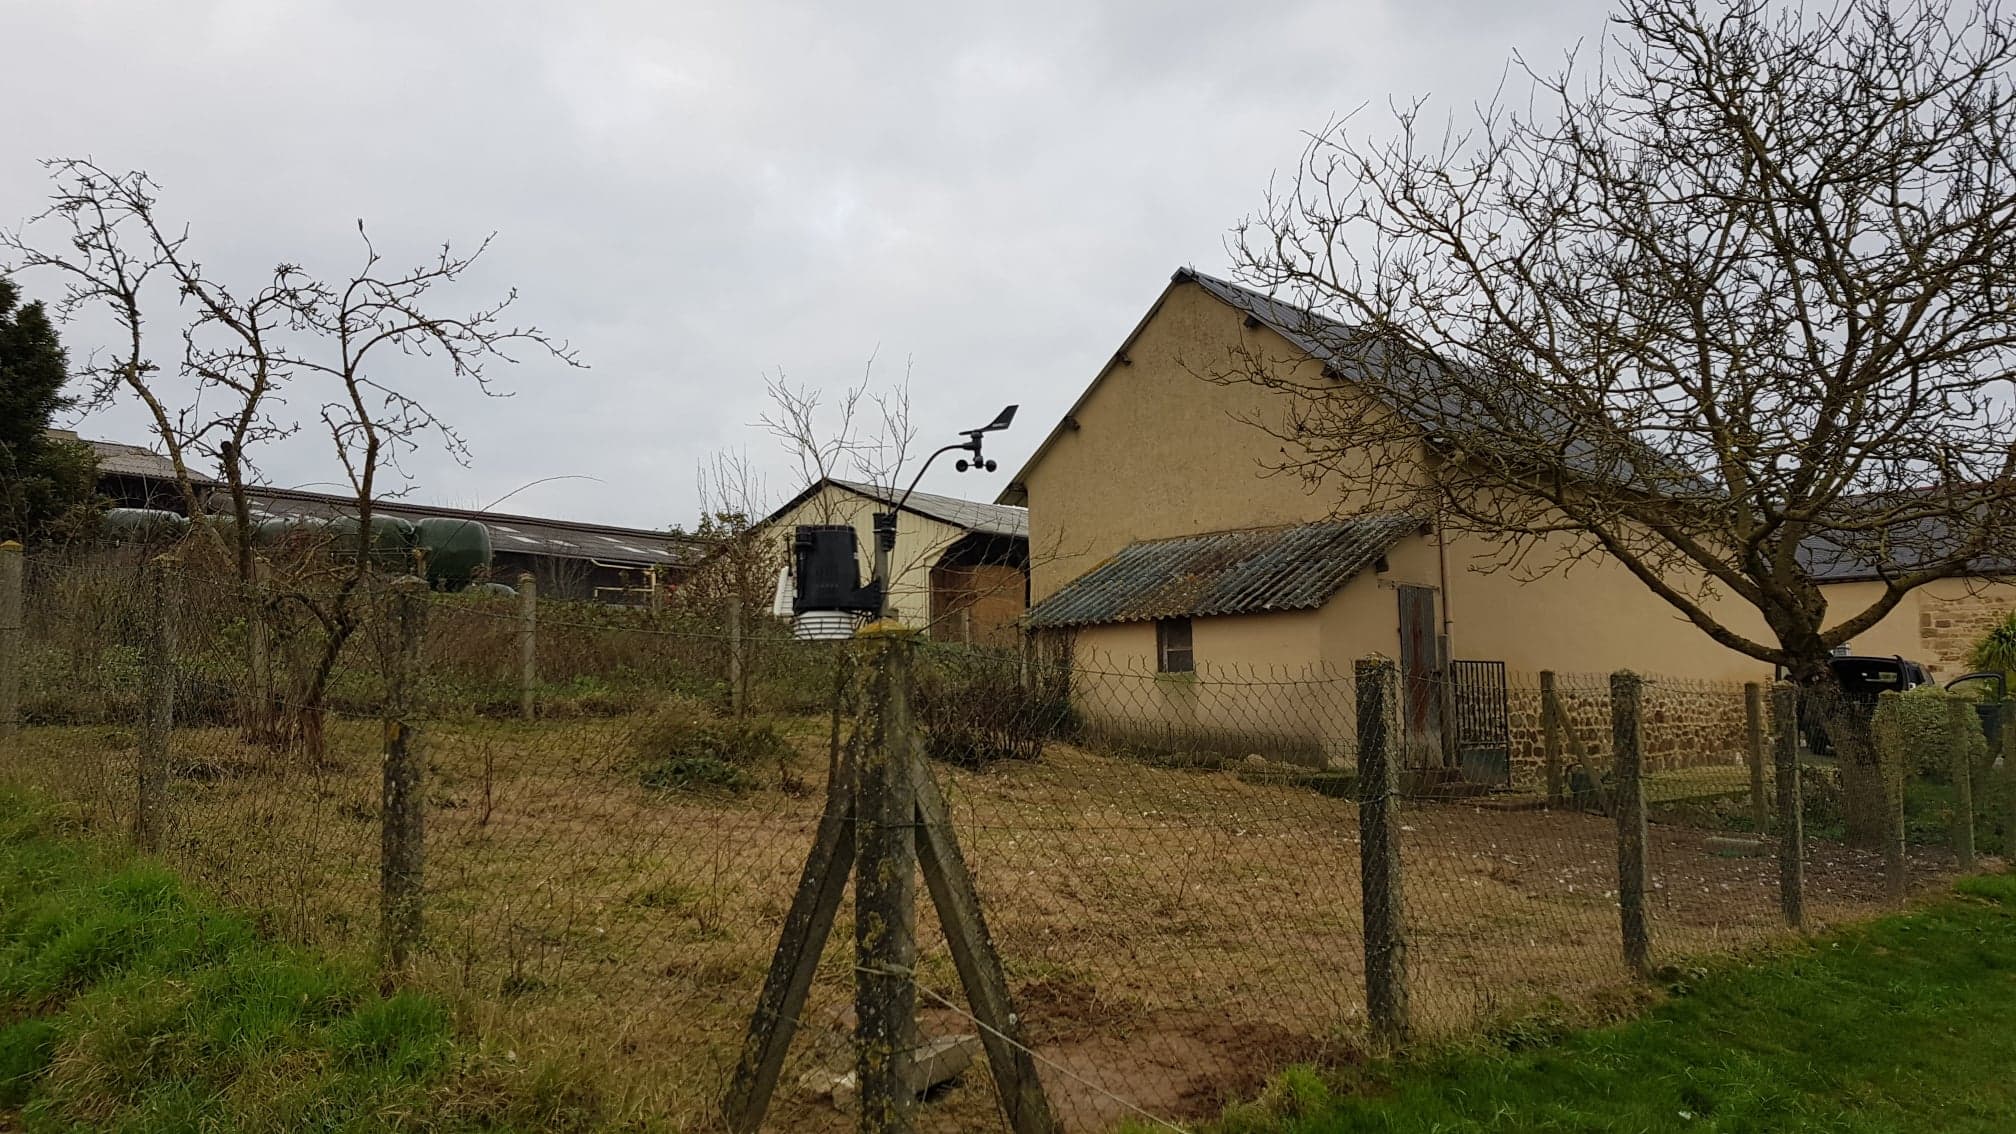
828,599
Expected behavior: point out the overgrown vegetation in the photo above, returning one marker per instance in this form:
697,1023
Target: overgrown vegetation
1898,1025
1995,651
977,706
1922,731
1929,807
685,746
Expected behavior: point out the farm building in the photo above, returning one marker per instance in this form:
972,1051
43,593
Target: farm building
960,568
569,559
1188,557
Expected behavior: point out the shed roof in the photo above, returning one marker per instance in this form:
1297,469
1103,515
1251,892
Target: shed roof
970,515
1249,571
524,535
118,459
974,516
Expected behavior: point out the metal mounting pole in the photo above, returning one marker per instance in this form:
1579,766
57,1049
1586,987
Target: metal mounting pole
885,544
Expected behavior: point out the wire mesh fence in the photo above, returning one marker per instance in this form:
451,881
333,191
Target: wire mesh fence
1181,873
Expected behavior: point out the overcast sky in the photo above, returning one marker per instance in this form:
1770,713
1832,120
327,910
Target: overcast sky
700,195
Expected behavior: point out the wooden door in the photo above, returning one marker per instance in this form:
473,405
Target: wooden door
1420,695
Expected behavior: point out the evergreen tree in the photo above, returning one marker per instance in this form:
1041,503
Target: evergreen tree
47,486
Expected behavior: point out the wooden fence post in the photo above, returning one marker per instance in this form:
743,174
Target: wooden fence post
1378,689
12,644
1960,718
735,659
1753,736
2008,738
403,796
1891,773
528,646
1550,740
263,714
1627,736
157,666
1791,809
885,941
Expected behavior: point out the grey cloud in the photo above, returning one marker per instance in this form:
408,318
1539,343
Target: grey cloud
695,195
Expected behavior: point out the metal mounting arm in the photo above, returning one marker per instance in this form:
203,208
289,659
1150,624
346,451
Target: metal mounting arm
885,522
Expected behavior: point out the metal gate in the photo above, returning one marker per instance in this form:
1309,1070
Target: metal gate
1482,725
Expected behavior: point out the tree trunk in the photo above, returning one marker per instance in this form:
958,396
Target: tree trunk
1852,735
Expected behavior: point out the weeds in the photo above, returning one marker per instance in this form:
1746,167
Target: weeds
686,747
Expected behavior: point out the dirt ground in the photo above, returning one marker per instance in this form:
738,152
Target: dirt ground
1171,936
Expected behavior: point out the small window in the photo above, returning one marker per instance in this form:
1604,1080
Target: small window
1172,646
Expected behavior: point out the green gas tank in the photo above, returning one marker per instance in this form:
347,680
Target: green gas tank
391,543
456,549
144,525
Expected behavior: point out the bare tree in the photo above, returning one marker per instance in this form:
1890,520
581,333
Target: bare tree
350,334
1736,310
219,405
865,434
745,557
355,343
106,258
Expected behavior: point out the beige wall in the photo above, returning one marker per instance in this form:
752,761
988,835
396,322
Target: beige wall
1160,451
920,541
1591,616
1174,454
1259,687
1936,624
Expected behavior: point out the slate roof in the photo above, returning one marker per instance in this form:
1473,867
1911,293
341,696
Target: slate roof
1906,546
1236,572
987,519
1414,386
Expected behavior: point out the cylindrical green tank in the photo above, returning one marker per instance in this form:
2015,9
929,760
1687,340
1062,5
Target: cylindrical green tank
456,550
225,525
305,533
144,525
268,531
391,539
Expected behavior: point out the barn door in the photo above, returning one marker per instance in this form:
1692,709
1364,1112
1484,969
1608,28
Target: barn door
1420,698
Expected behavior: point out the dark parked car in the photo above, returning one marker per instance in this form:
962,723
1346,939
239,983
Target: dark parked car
1862,678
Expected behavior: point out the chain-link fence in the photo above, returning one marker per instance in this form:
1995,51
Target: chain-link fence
602,817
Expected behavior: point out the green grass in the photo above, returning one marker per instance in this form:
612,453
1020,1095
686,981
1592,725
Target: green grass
1901,1025
128,1003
